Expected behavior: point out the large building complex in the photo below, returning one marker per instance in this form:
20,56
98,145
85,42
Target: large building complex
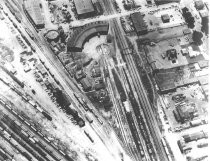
34,12
139,23
84,8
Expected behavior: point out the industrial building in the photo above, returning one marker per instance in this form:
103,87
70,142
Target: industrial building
34,12
139,23
84,8
165,18
184,113
171,54
159,2
195,136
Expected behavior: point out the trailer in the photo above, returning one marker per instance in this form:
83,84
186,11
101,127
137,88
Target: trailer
46,115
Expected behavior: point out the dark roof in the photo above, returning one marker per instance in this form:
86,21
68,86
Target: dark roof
138,22
165,17
166,1
83,6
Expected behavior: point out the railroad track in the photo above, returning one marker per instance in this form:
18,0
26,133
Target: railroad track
145,104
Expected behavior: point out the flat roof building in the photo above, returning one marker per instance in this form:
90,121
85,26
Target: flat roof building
84,8
165,18
34,12
139,23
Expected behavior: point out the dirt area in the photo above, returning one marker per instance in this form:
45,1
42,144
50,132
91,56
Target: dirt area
90,47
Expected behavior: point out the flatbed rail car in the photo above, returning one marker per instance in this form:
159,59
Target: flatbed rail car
89,137
29,32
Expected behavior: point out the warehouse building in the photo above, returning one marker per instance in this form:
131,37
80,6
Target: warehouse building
84,8
195,136
34,12
139,23
159,2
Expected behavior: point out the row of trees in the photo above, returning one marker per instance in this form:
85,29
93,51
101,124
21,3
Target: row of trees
188,17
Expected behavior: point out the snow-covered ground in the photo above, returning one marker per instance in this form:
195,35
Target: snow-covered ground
61,130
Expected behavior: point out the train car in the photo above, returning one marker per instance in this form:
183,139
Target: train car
89,137
33,128
45,138
39,108
21,117
2,102
32,140
24,133
163,142
29,32
62,152
47,115
14,112
25,98
68,157
32,103
100,121
27,122
3,154
89,118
